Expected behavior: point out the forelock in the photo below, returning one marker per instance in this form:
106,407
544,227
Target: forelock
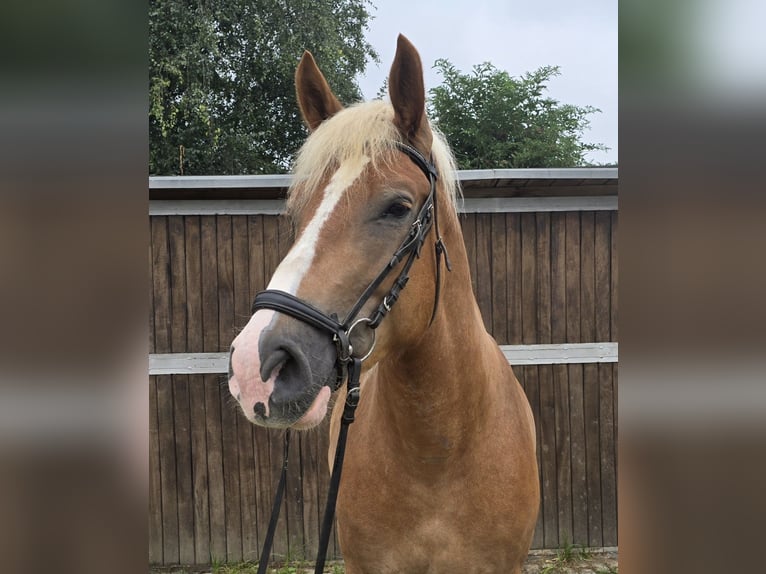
364,129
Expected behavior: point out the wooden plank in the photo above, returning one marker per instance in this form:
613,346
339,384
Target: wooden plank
563,454
558,278
168,480
241,263
543,279
209,282
323,482
529,305
216,496
608,484
182,426
294,500
575,379
245,446
246,431
161,284
587,277
263,482
155,493
271,256
155,488
590,378
310,469
177,255
527,204
165,431
614,337
216,490
614,276
484,267
542,354
602,262
281,549
468,224
499,278
181,405
572,280
529,292
578,454
532,389
545,378
561,380
549,491
513,266
151,297
607,456
228,409
199,454
197,412
255,255
224,248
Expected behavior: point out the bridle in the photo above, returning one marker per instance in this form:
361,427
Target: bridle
410,249
349,365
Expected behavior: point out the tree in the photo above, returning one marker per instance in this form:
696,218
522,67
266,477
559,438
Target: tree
493,120
222,95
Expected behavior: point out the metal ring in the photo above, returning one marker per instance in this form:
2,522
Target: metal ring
374,336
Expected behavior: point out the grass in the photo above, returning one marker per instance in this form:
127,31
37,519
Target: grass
568,558
569,555
294,567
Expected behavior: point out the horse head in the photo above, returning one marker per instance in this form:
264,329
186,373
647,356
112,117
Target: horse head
361,191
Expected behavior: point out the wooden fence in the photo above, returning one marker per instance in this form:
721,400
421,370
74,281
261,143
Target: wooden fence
543,255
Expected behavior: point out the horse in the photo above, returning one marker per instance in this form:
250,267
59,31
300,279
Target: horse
440,471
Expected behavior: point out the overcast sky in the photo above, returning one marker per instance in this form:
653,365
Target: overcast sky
580,37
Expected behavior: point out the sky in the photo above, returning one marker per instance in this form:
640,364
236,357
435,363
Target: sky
518,37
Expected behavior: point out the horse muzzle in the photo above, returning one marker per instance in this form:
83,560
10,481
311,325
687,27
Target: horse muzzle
279,372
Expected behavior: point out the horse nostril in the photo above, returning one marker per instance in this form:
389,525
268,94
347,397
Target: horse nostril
260,410
272,361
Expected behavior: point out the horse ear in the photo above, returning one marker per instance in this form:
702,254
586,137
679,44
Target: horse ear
315,98
408,94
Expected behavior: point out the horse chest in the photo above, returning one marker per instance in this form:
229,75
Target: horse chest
392,520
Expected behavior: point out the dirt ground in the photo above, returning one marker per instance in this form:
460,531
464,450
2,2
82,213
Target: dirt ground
539,562
599,562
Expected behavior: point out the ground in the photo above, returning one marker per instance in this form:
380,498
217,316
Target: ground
568,560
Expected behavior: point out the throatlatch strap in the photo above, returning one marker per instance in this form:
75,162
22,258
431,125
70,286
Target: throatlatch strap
263,563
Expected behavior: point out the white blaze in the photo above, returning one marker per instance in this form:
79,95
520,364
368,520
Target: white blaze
290,272
246,385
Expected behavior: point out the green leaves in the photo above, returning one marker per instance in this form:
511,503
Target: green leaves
493,120
222,97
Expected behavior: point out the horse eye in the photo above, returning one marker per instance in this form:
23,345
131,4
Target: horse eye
397,210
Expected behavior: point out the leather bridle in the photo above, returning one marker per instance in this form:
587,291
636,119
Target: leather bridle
408,250
348,364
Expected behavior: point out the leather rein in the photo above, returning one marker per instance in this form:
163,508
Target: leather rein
348,364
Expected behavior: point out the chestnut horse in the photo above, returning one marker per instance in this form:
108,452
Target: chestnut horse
440,472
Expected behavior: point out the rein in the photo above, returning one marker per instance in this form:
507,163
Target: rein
347,364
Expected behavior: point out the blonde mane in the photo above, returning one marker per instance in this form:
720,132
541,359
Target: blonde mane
362,129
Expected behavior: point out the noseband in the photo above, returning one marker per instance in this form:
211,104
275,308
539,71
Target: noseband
410,249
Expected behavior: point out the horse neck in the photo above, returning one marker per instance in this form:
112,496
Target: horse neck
434,392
